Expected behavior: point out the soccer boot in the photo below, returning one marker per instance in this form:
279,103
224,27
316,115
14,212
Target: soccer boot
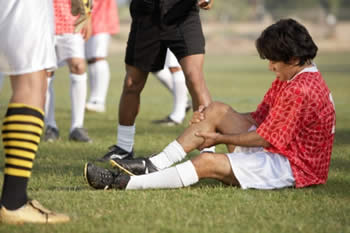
31,212
51,134
116,152
101,178
79,135
137,166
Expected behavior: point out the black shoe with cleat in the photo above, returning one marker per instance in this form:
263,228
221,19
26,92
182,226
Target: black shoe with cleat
137,166
101,178
115,152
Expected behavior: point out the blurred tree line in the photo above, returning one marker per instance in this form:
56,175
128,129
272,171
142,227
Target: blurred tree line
257,9
237,10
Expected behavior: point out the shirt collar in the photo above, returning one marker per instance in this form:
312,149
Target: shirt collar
311,69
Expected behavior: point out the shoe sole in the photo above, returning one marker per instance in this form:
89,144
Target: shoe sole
115,164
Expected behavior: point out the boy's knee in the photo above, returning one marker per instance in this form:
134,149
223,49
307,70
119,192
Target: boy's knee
218,109
77,67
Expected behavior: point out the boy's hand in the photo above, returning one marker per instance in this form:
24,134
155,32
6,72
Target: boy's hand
82,8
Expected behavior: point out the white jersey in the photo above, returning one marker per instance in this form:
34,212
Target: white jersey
26,36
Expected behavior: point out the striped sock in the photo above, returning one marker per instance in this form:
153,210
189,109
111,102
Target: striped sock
22,128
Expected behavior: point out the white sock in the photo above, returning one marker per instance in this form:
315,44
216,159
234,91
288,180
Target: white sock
171,154
165,77
182,175
92,81
125,138
1,79
99,81
78,97
209,149
50,103
180,97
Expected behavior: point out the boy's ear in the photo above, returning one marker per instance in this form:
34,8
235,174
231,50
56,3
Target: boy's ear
294,61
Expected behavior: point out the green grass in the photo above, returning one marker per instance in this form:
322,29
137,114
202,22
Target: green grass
208,206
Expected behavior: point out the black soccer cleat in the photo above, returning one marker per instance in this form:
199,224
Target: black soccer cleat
101,178
115,152
137,166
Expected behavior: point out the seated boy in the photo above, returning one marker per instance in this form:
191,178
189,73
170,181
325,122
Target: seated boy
286,142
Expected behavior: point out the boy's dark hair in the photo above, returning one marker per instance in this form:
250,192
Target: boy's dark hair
285,40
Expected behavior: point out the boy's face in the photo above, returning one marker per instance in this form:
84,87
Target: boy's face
285,71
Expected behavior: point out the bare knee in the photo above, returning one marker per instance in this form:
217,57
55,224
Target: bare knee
217,110
133,83
77,66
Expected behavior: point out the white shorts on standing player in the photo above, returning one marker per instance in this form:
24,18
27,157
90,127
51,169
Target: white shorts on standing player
16,57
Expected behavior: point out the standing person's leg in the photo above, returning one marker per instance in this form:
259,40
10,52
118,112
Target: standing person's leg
165,77
144,54
129,105
178,90
24,119
51,132
192,67
73,53
99,74
22,127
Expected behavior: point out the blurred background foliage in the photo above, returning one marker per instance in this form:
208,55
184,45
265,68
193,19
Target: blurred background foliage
251,10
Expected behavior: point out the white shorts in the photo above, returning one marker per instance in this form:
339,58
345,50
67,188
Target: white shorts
27,36
256,168
69,45
97,46
171,60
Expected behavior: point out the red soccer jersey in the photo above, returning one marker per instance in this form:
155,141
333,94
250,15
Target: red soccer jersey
297,118
64,20
105,17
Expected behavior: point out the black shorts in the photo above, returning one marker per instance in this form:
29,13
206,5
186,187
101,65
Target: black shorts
149,39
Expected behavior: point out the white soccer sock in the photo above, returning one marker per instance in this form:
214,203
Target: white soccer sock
78,92
182,175
99,81
92,70
125,138
180,97
165,77
50,103
209,149
171,154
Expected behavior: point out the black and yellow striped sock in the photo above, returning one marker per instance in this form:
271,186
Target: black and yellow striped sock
21,131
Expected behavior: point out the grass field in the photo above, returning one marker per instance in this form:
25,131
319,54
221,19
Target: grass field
209,206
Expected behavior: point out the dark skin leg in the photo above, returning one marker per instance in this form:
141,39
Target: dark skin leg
192,67
129,104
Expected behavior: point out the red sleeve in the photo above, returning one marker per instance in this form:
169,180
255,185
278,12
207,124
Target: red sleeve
283,121
263,108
